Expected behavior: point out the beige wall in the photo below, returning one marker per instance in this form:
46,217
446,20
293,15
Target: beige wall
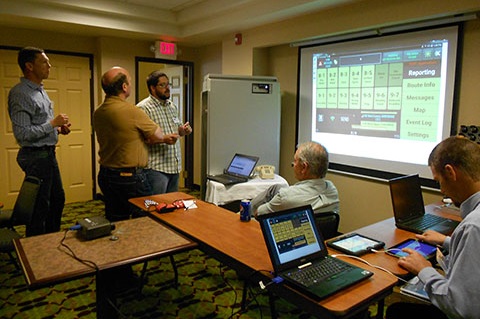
363,201
207,60
267,50
107,52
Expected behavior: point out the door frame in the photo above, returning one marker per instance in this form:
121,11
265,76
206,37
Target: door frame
92,102
188,107
92,108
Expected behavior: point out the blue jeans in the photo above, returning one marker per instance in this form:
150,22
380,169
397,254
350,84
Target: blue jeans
118,186
42,163
162,183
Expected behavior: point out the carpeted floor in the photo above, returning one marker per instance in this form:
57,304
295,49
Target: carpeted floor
207,289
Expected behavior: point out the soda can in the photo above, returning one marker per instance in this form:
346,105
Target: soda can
245,210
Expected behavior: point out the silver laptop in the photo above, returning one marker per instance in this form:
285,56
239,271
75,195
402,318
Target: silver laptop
409,210
300,257
238,171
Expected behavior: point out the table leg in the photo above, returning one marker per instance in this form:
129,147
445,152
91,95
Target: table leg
175,270
271,301
104,297
380,308
244,295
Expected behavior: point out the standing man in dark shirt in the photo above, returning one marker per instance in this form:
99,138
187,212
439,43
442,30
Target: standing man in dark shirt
36,130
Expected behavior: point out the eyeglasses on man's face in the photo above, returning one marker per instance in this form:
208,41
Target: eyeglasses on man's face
164,85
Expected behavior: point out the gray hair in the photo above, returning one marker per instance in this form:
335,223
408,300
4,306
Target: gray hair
316,156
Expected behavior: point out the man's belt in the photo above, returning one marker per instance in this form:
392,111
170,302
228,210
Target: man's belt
124,171
39,148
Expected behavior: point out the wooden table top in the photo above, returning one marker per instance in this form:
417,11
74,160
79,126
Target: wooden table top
223,231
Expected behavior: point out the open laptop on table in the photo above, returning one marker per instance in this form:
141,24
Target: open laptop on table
238,171
409,210
299,255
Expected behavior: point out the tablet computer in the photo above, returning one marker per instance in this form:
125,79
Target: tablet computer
355,244
427,250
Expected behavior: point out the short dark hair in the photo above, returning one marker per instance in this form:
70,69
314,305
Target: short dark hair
152,78
115,87
459,152
28,54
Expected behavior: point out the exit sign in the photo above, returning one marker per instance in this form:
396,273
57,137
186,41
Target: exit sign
165,50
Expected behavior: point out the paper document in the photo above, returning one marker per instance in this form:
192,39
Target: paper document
189,204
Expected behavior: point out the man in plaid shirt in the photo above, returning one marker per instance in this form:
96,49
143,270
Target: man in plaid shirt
164,159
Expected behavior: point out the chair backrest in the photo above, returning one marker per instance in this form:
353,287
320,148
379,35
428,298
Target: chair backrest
25,203
328,223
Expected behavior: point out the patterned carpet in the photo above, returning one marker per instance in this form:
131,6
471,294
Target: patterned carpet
206,289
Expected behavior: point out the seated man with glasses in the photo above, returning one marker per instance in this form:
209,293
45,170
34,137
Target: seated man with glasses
310,166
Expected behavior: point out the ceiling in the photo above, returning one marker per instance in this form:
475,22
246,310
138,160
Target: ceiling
190,22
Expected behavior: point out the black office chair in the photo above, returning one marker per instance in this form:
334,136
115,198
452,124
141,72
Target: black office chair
328,223
21,214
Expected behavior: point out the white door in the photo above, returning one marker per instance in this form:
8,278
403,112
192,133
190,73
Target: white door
68,86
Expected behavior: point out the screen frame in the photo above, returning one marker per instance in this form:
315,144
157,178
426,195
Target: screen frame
278,265
367,246
382,174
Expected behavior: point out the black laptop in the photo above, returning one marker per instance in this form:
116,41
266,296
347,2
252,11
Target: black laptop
299,255
409,210
238,171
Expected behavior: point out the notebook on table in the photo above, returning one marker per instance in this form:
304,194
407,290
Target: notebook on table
409,209
238,171
299,255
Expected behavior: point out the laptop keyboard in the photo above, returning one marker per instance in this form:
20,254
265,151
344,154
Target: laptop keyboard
226,179
327,269
428,221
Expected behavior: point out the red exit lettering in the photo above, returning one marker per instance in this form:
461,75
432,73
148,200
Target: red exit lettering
167,48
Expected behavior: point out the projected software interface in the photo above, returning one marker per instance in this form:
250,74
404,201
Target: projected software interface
393,93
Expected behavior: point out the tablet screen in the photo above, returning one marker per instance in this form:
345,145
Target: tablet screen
355,244
425,249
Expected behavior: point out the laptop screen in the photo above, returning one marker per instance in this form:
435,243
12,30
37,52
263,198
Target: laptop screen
407,200
292,237
242,165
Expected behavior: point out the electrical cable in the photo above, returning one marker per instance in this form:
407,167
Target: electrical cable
239,311
72,254
254,298
252,293
86,262
371,265
231,287
114,306
275,280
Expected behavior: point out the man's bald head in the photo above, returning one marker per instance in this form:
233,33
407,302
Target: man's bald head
116,82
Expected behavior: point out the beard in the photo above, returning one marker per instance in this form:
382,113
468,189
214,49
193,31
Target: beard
163,96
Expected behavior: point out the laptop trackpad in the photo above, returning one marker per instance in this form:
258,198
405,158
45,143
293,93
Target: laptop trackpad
445,227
